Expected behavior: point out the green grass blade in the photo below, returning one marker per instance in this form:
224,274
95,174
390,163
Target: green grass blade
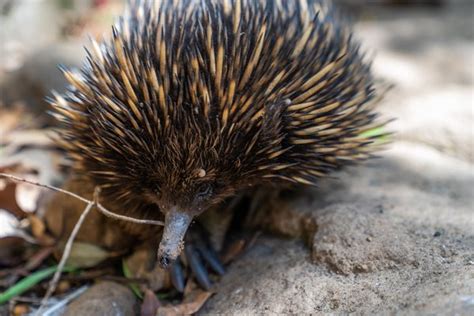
28,282
372,132
133,286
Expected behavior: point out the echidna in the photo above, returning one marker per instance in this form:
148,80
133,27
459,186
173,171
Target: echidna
193,101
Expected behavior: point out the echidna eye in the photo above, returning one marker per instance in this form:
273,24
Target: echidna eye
157,191
205,191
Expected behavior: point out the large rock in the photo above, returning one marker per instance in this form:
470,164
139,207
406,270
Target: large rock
395,236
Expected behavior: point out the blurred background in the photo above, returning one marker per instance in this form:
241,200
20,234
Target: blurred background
424,47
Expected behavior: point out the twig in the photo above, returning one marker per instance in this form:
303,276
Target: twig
119,217
99,206
67,249
62,303
12,177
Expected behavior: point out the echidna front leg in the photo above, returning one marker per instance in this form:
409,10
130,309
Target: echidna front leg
203,242
199,256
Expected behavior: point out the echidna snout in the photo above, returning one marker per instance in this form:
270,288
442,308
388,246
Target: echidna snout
171,245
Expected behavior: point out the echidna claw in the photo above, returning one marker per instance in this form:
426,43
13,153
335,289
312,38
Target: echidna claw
177,276
197,267
211,257
200,257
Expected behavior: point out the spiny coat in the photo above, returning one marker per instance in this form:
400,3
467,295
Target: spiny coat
191,101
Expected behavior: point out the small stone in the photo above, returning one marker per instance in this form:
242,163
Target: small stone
104,298
334,304
380,209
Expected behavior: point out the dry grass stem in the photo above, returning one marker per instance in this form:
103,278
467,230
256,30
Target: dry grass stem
99,206
67,249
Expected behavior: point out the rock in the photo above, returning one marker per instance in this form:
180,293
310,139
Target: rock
277,277
373,249
105,298
341,240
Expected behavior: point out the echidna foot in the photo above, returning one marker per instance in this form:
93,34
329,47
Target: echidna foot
199,257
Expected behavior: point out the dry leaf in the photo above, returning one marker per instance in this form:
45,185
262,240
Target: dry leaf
194,299
192,304
14,241
34,164
37,226
13,251
36,259
238,247
150,304
10,227
38,229
44,163
234,250
14,141
7,198
27,195
85,255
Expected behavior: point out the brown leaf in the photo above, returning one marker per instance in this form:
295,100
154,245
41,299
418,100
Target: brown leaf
37,226
61,213
7,198
37,258
191,304
33,260
85,255
150,304
38,229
